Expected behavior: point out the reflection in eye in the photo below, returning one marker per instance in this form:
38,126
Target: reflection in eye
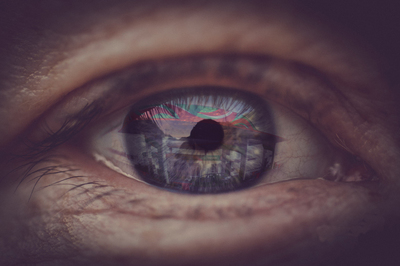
201,140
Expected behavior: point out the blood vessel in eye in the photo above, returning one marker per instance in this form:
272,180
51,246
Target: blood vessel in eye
200,139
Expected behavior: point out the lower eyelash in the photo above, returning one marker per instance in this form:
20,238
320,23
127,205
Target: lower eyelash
51,166
88,192
33,173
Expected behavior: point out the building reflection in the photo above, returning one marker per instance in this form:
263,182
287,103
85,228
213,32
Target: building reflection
173,163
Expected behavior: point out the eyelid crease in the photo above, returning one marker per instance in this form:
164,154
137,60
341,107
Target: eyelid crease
62,122
252,72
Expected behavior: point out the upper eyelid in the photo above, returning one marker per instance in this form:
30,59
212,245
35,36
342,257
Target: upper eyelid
123,48
243,72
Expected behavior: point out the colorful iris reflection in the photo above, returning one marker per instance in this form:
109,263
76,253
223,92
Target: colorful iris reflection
198,142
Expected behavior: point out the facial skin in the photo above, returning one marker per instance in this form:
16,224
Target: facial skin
51,49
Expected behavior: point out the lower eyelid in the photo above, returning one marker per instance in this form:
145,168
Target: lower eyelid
112,220
265,214
90,187
100,215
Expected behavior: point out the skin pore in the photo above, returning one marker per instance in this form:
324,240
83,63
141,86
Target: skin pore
83,213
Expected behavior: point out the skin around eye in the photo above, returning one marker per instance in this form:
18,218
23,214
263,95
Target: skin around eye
88,197
89,45
83,213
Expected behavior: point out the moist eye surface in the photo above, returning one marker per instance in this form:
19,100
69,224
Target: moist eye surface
200,139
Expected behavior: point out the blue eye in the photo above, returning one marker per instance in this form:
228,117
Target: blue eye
200,139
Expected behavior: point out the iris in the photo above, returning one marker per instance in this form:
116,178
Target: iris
200,139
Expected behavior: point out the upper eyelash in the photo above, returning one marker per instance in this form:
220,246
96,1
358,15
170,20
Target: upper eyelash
70,127
35,153
32,173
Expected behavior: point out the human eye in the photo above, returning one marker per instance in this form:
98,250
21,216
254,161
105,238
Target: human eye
163,138
78,210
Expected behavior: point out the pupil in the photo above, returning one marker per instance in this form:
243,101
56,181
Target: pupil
207,135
